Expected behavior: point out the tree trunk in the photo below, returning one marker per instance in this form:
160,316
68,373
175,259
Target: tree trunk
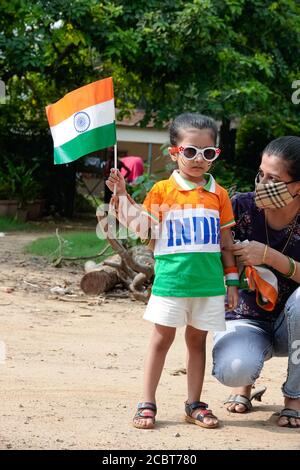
225,141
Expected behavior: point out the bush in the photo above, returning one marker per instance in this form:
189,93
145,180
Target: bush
142,185
233,178
85,203
255,132
18,182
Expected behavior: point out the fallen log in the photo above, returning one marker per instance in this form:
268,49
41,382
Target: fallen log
103,277
100,280
131,267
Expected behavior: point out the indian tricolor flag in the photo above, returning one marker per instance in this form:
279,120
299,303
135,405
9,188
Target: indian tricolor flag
83,121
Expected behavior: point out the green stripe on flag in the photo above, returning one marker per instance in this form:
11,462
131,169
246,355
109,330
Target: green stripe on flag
87,142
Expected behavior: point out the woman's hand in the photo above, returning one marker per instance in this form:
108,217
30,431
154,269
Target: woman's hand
232,297
116,179
249,254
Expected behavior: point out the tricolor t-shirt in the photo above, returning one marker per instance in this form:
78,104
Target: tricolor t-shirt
187,246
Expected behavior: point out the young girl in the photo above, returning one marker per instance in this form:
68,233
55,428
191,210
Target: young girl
190,217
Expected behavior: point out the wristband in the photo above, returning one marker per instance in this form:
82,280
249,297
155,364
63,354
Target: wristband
231,276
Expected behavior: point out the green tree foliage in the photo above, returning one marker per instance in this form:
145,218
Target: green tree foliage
232,59
228,58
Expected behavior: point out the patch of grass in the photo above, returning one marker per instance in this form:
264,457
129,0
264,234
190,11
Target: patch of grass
73,244
9,225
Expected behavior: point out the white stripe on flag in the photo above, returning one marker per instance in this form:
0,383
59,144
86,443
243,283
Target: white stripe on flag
99,115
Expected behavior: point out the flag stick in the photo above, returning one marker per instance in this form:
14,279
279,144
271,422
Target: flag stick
115,165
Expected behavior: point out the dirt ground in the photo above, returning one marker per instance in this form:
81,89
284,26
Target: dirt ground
73,371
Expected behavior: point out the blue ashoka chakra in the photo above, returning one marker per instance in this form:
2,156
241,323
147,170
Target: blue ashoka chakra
82,121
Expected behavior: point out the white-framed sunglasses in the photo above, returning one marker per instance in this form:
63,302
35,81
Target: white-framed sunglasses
190,152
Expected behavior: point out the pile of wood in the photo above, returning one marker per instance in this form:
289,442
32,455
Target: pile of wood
133,268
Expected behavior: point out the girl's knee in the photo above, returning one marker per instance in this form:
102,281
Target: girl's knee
163,345
163,341
195,339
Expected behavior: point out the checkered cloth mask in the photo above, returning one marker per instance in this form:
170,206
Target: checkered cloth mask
272,195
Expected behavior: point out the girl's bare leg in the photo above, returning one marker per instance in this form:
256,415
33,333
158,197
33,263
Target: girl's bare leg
161,339
196,355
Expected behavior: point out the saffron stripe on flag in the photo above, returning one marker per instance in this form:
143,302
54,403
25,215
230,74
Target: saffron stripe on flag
96,116
85,143
77,100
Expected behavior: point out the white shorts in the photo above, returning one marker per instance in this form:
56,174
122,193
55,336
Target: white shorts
203,313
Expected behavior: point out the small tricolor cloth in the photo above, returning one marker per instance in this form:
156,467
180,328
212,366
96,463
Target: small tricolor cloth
261,280
83,121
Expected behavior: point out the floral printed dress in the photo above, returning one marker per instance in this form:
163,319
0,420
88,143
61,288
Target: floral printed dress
250,225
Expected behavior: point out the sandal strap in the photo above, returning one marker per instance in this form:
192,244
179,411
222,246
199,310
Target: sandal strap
147,405
146,409
204,412
196,405
289,413
145,414
239,400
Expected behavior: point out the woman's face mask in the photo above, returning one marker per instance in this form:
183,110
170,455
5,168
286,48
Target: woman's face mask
272,195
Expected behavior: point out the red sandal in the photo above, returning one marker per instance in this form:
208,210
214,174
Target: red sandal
203,413
145,410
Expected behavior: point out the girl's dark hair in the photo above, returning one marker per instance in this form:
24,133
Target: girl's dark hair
191,120
288,149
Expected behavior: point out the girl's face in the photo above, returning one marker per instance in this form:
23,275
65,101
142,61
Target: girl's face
193,170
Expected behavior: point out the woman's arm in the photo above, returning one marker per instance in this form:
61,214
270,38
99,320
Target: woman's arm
256,253
281,263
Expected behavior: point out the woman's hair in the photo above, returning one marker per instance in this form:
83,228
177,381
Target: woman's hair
288,149
191,121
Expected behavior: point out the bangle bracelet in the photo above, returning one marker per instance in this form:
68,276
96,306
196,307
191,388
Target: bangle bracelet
264,255
293,268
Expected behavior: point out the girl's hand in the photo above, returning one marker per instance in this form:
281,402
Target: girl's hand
232,297
250,254
115,178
